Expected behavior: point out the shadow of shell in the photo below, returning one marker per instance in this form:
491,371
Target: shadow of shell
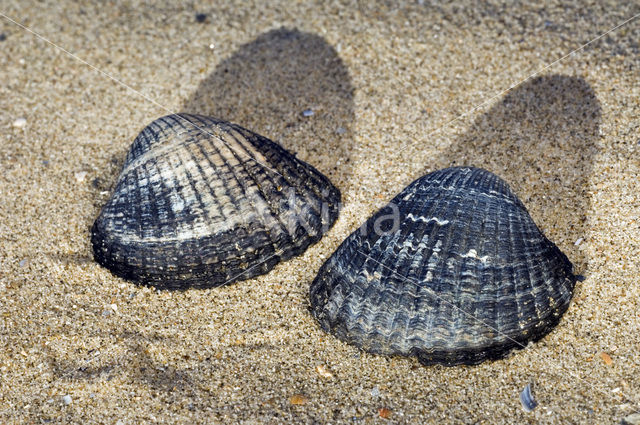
269,83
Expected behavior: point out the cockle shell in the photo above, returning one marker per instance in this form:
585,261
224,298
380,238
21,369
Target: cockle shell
202,202
453,271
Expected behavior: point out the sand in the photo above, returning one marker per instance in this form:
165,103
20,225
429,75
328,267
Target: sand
397,90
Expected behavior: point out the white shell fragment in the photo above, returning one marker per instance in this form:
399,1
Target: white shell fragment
20,122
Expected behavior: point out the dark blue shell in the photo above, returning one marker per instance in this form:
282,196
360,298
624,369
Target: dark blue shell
453,270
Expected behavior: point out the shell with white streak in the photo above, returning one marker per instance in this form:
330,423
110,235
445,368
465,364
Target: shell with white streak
453,271
201,202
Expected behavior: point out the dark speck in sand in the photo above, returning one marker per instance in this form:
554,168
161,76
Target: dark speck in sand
3,36
201,17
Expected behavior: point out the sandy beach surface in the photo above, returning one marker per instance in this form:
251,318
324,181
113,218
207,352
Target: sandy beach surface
398,89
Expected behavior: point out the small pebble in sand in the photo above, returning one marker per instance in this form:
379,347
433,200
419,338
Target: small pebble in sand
375,392
307,112
22,263
341,130
201,17
212,46
3,36
298,399
114,307
80,176
20,122
632,419
324,372
606,358
67,400
384,413
526,399
579,241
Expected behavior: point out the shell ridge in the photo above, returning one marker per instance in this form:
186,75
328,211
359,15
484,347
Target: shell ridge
448,290
500,279
186,190
202,187
330,280
540,310
354,296
143,262
147,139
316,180
493,273
140,144
252,154
505,275
266,144
138,211
292,174
360,261
148,201
147,152
236,201
174,192
495,277
382,246
190,135
539,294
463,295
426,208
207,148
160,202
164,190
118,248
386,295
186,156
424,300
269,217
296,243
